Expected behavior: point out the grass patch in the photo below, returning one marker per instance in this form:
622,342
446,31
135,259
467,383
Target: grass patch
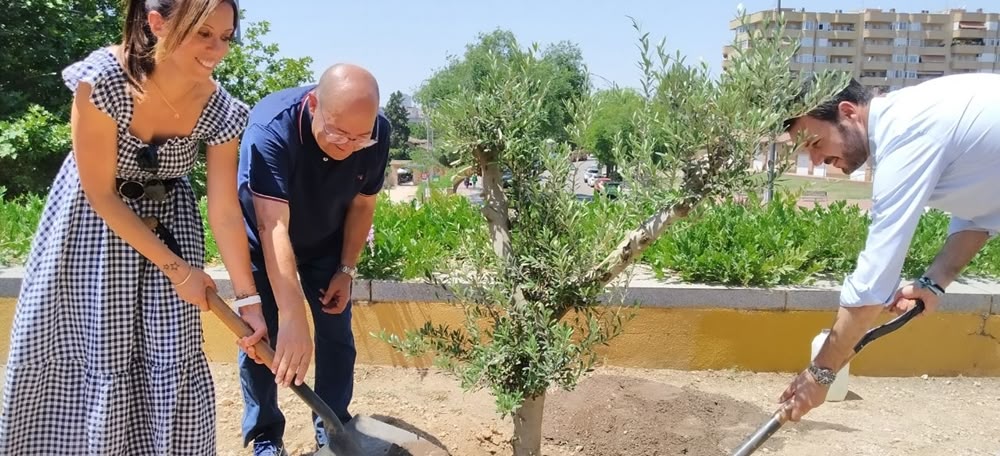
836,189
18,221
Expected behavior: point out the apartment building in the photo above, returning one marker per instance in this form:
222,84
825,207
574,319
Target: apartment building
884,50
887,50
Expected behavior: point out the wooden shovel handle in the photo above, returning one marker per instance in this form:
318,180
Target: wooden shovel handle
239,327
335,429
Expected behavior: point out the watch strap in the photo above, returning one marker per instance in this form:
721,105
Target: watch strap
822,375
930,284
351,271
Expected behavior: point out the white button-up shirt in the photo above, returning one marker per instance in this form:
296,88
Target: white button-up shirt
936,144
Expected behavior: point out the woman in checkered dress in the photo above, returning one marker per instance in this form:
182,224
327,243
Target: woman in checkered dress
106,348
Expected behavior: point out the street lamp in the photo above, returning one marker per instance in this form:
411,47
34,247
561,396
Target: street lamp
772,155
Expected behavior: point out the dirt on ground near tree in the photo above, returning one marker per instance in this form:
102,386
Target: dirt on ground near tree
660,412
612,414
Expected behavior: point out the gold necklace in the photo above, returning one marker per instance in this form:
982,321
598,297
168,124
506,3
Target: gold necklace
163,97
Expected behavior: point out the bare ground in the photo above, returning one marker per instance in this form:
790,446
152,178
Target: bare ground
662,412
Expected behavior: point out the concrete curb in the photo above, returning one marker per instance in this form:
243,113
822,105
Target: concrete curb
965,296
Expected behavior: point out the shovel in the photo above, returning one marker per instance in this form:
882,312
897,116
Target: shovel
765,432
363,436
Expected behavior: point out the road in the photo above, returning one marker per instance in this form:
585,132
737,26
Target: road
579,186
407,192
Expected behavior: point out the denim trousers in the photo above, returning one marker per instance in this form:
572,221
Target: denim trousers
335,354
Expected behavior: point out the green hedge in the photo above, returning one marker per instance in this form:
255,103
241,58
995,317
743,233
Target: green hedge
782,244
732,243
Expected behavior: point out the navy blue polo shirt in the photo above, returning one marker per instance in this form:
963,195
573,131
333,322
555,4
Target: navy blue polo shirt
280,160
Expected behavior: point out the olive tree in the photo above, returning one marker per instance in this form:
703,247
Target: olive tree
546,288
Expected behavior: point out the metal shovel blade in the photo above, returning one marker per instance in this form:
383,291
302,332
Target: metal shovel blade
362,436
377,438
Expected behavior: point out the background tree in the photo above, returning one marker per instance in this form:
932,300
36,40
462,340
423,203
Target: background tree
418,130
531,298
252,69
612,119
560,65
39,38
399,119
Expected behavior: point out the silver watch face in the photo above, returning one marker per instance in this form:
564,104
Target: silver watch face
823,376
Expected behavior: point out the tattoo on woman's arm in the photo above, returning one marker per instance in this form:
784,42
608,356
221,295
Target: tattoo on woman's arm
172,266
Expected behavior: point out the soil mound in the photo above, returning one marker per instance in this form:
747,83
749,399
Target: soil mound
610,415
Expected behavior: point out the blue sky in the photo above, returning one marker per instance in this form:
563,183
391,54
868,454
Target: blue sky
404,42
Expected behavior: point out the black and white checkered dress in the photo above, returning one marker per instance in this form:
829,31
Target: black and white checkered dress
105,359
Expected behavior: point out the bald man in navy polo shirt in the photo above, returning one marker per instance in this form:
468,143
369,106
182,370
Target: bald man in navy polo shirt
312,162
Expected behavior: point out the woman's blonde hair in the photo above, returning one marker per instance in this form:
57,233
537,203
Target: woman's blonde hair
142,50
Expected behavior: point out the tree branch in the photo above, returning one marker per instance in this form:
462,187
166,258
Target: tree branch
635,242
495,208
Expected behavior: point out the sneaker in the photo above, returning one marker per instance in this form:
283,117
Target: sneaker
268,448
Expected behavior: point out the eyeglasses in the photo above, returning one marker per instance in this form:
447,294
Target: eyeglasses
339,139
148,160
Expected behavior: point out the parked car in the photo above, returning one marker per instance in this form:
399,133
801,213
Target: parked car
590,174
613,189
404,175
599,183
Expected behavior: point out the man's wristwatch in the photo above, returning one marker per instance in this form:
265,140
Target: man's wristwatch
822,375
926,282
350,271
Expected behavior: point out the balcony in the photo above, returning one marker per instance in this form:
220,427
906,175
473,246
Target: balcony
971,16
967,49
968,65
849,67
969,33
874,81
936,66
934,50
932,35
840,50
837,34
878,33
879,16
728,52
879,50
875,66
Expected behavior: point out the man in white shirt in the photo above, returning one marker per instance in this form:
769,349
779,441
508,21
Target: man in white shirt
936,144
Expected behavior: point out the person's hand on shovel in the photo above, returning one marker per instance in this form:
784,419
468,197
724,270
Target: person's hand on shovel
253,315
191,284
906,298
803,395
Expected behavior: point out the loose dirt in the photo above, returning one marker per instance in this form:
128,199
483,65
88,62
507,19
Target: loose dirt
661,412
625,415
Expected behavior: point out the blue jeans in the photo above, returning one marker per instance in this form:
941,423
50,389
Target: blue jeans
334,362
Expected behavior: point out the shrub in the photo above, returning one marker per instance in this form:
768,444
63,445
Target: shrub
19,218
732,243
411,240
738,243
32,148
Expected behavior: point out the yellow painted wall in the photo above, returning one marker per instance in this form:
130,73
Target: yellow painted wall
939,344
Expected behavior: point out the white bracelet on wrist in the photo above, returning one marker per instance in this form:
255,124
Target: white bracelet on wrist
247,301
